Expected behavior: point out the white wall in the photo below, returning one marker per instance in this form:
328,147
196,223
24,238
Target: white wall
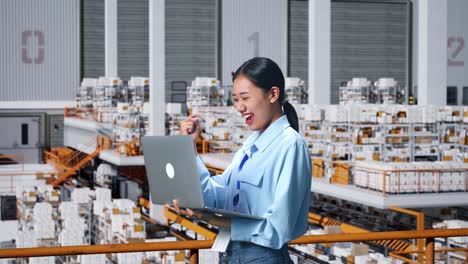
253,28
39,50
457,44
457,54
9,229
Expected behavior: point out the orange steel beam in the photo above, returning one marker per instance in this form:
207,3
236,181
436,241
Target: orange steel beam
148,219
208,234
419,226
145,203
75,168
437,250
179,236
356,237
396,256
200,244
429,250
347,228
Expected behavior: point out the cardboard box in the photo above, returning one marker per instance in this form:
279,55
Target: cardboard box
359,250
317,168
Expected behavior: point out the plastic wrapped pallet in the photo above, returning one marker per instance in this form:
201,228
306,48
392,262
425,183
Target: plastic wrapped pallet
336,114
80,195
315,113
118,222
157,213
135,213
103,194
26,239
99,208
77,224
124,205
135,231
92,259
68,210
44,228
42,260
465,114
42,210
363,114
26,193
44,188
458,224
301,110
70,238
131,258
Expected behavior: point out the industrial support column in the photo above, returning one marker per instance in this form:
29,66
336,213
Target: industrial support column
432,52
157,75
110,38
319,51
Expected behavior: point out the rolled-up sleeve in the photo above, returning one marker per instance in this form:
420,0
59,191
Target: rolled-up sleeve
286,218
213,188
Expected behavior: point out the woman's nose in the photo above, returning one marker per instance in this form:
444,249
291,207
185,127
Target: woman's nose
240,107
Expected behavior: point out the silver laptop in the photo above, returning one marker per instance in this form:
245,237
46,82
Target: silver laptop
172,174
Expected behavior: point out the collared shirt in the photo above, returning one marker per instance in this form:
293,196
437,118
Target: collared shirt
274,183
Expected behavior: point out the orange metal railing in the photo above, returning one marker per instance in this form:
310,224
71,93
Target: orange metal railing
6,159
20,171
67,162
437,172
350,229
193,246
72,170
419,225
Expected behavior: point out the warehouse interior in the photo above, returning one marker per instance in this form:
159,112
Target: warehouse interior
380,88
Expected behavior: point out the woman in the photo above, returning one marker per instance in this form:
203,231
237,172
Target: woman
269,176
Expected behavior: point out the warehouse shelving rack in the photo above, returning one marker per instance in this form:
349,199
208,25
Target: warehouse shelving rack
396,143
425,142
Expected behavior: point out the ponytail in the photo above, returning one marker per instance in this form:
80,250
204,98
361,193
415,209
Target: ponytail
291,114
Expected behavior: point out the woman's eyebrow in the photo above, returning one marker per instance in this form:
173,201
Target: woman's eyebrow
241,93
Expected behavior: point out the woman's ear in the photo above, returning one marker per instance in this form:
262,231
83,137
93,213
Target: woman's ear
274,94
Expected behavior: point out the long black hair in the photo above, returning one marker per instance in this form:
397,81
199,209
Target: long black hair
265,73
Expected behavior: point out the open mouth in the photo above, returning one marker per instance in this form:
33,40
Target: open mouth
249,119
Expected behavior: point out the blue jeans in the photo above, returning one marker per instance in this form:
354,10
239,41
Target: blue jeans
245,252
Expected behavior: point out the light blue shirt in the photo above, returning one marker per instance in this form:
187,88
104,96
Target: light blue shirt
274,183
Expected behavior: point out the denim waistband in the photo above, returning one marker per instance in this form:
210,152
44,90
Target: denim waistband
240,245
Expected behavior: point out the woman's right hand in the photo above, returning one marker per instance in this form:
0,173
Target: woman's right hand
190,126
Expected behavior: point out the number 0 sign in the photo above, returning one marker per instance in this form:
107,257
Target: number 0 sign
26,37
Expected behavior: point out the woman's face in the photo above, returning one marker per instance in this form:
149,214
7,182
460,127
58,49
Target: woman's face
256,106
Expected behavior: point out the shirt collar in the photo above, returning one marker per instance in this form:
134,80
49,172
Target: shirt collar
249,143
262,140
